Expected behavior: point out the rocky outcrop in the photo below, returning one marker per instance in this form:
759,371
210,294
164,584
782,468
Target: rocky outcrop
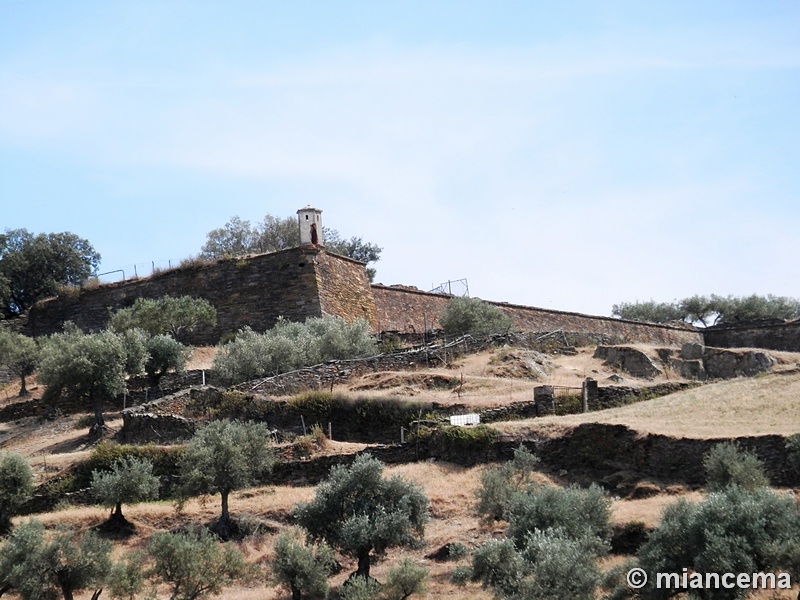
693,361
703,362
630,360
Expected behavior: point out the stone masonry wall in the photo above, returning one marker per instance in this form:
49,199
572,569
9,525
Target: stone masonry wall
781,336
409,310
304,282
252,291
344,289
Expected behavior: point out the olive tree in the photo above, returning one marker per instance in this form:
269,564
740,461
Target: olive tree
194,564
731,531
473,315
38,566
91,367
553,540
20,354
166,315
164,354
363,514
130,480
222,457
16,487
302,568
291,345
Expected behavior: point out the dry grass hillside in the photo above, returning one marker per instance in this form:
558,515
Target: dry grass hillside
765,404
740,407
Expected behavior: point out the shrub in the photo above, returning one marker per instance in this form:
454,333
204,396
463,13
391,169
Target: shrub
404,580
302,569
727,464
499,485
126,578
472,315
360,588
793,452
549,565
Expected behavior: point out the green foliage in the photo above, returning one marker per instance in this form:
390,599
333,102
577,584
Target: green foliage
36,266
360,588
711,310
575,512
240,237
500,485
290,345
165,354
475,440
553,539
472,315
404,580
19,354
301,568
548,565
359,512
166,315
130,480
225,456
732,531
727,464
16,487
165,461
649,311
126,578
85,366
37,567
195,564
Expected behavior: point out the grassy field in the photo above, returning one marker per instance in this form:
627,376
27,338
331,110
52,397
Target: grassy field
767,404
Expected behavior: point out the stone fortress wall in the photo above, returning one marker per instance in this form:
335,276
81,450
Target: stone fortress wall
308,281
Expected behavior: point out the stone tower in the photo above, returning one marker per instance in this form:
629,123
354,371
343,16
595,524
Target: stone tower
310,222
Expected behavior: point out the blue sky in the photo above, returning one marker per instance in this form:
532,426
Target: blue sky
568,155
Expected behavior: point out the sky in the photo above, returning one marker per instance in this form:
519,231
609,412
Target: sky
568,155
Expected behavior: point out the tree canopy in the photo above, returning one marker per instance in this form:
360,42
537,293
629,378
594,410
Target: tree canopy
710,310
166,315
239,237
473,315
88,366
222,457
130,480
291,345
16,487
37,566
20,354
360,512
36,266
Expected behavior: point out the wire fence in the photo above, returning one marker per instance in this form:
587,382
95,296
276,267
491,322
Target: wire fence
137,270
